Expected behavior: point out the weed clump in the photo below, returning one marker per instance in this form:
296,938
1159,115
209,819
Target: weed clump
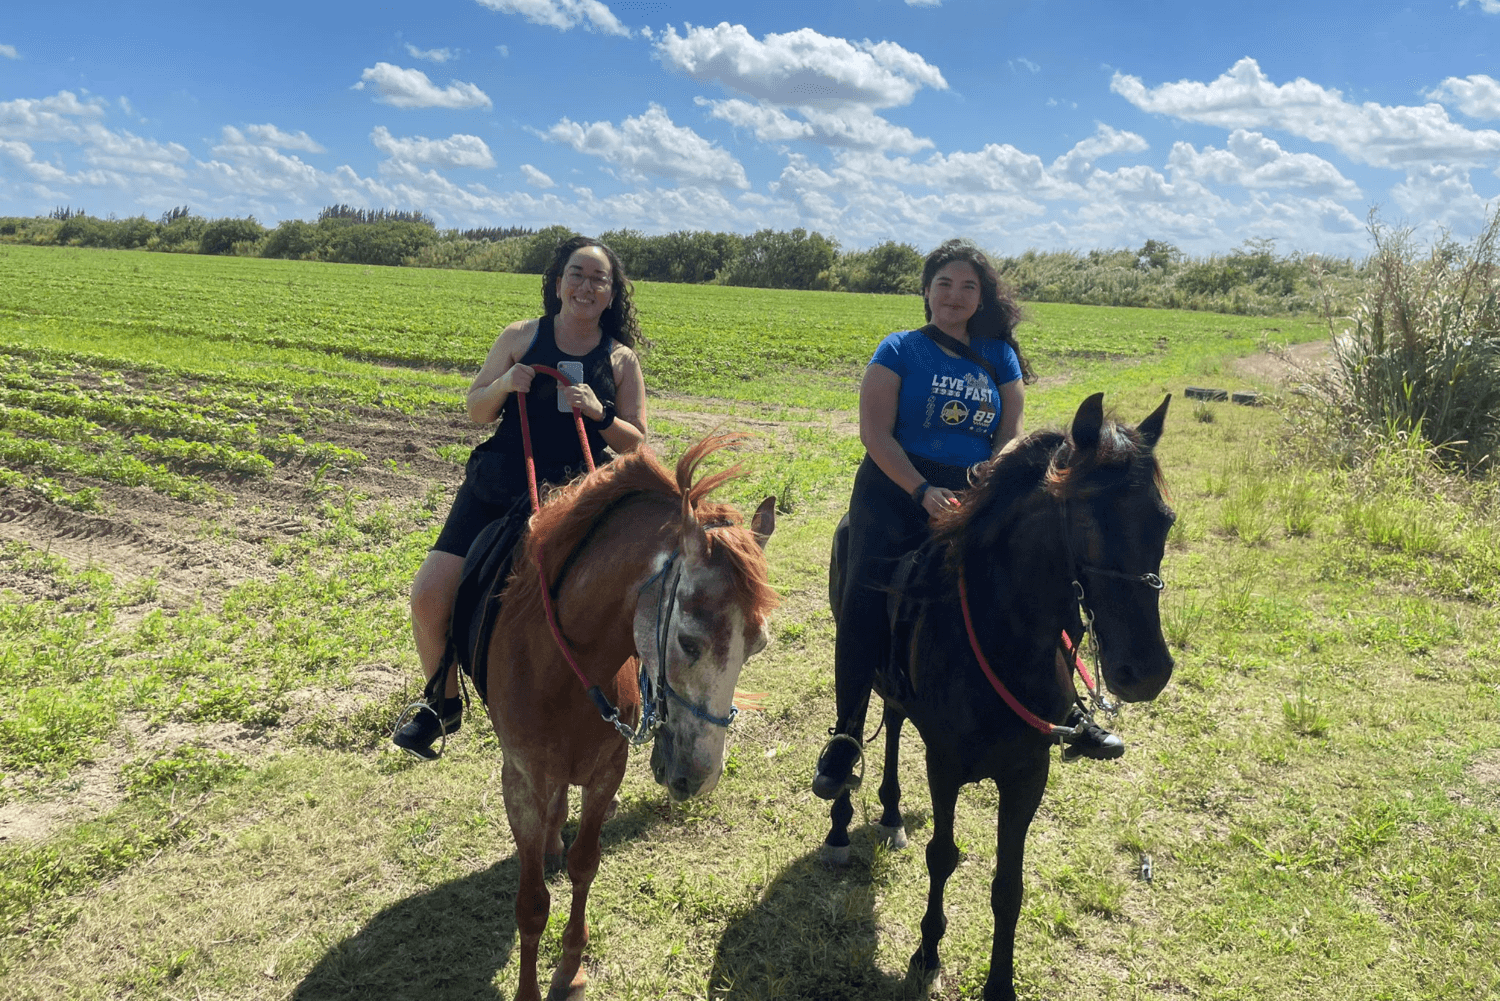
1421,356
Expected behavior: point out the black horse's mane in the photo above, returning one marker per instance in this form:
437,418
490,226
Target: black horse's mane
1043,460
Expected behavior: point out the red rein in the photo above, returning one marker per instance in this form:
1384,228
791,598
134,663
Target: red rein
1031,718
583,438
588,458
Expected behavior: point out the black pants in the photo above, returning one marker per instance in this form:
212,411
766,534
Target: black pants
884,525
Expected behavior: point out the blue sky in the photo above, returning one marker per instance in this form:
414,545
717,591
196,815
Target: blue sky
1019,124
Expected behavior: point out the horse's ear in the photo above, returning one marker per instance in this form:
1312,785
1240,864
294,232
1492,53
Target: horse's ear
1086,424
763,523
692,539
1150,428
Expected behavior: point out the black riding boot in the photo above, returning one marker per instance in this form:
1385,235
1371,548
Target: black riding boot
1093,741
425,727
836,767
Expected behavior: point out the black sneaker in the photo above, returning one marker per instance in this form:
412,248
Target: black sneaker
836,767
419,733
1091,741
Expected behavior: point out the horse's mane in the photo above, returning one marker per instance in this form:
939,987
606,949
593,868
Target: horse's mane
1043,460
571,512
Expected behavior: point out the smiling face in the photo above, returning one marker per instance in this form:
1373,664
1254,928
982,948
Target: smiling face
953,296
586,285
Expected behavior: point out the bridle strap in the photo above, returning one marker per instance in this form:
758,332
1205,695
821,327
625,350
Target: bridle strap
1080,569
652,717
1051,730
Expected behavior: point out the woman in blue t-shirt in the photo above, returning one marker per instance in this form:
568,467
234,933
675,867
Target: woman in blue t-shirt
933,402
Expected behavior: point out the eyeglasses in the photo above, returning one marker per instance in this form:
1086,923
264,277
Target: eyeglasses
577,278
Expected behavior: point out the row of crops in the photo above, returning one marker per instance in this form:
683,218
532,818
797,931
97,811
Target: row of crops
183,373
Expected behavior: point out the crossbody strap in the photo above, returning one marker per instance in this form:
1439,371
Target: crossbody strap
958,347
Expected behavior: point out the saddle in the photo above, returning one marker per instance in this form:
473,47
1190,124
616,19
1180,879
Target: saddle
907,599
476,605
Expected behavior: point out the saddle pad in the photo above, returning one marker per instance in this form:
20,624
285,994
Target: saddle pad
486,571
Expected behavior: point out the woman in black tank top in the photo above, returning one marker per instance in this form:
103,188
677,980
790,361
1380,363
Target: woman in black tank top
589,320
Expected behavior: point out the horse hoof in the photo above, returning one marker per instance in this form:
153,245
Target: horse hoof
834,854
921,982
895,837
573,992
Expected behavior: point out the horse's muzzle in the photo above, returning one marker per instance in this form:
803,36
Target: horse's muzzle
680,773
1139,680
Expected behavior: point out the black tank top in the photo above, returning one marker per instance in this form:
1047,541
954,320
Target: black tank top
554,438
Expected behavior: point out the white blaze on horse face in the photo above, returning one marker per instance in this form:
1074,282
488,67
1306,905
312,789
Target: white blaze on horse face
704,658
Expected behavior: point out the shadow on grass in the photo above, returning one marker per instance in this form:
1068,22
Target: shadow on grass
813,934
447,943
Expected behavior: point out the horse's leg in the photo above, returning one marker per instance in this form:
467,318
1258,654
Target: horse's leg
1019,797
557,814
942,859
569,981
835,849
892,829
526,806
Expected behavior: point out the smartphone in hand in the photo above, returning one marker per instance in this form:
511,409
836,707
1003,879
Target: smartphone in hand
574,371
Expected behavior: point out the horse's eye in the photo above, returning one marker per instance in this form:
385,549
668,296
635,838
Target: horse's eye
690,647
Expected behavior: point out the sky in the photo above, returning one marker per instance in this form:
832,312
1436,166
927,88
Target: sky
1047,125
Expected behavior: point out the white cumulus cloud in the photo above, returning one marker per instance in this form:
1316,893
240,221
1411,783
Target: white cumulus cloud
800,68
456,151
1250,160
9,52
404,88
1477,96
563,14
272,136
1488,6
536,178
1382,136
431,55
1440,195
1078,163
650,144
853,128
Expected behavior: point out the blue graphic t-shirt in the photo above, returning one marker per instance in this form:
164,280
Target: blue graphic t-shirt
948,408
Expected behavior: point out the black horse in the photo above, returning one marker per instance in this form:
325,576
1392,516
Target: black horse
1058,521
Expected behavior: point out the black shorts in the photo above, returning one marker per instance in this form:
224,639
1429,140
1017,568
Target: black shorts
493,484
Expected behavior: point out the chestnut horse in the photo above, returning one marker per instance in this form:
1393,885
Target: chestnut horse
632,565
1057,521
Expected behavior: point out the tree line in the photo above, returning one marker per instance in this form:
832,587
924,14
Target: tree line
1252,278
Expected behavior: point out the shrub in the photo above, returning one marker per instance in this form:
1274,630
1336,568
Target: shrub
540,248
1422,356
221,235
891,269
776,259
388,242
293,240
182,235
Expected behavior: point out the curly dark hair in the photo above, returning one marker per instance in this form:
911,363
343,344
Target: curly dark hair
618,321
998,312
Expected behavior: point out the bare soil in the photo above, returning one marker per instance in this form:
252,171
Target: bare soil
1287,366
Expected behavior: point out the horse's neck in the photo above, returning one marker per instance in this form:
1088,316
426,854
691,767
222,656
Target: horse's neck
1022,582
604,586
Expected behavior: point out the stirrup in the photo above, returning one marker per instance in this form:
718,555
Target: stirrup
445,726
825,786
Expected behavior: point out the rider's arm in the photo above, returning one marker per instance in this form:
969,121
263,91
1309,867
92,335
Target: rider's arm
498,377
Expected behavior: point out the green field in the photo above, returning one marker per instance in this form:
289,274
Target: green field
218,475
